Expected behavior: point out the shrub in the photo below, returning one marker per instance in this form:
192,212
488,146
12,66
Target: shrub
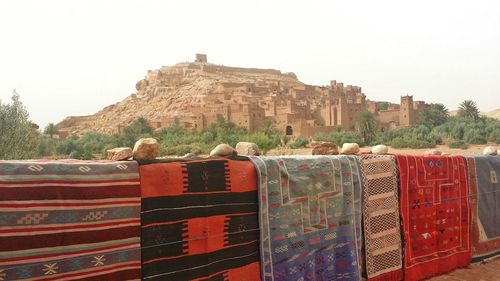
183,149
47,147
475,136
458,144
264,142
299,143
401,142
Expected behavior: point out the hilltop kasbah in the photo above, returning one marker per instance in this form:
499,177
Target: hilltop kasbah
195,94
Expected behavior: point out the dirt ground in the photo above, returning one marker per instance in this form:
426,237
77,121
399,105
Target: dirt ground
472,149
489,271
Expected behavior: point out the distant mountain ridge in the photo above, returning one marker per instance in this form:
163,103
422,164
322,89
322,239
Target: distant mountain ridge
492,114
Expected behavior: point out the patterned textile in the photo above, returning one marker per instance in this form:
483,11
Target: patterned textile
435,211
69,220
199,221
310,217
382,229
484,175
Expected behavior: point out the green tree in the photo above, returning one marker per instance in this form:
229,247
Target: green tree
469,109
140,128
366,126
47,147
433,116
18,140
50,130
268,128
222,131
382,105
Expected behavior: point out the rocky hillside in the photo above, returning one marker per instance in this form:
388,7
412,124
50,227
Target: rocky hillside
165,92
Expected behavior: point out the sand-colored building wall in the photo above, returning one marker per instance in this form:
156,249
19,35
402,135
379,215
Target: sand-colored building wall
388,116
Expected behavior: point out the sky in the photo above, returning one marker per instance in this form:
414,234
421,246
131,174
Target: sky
69,57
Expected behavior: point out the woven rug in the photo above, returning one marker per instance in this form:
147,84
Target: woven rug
435,211
310,217
199,221
381,221
484,175
69,220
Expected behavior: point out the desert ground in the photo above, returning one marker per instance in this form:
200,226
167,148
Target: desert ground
472,149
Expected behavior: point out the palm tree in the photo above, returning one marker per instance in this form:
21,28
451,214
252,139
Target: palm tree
468,108
50,130
366,126
268,128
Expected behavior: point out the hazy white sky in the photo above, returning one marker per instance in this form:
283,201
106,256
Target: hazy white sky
76,57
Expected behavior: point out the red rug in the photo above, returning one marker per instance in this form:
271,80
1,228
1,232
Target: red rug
435,211
199,221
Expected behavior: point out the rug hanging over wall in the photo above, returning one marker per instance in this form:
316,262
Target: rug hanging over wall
435,211
310,217
484,173
199,220
69,220
381,221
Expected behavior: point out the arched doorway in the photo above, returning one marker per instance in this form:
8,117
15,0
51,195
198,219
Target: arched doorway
289,130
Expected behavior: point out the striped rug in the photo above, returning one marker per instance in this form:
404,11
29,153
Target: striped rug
199,220
69,220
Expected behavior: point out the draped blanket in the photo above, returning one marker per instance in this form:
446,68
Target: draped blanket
199,220
69,220
435,211
382,229
484,173
310,217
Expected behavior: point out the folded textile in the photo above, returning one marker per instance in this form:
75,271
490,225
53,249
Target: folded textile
199,220
435,212
69,220
310,217
381,221
484,175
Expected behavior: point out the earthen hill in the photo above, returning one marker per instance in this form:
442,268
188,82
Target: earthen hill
195,94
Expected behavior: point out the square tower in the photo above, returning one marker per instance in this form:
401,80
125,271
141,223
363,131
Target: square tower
407,116
201,58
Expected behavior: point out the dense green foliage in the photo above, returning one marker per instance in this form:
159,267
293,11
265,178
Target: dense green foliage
434,116
340,137
18,140
419,136
173,140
